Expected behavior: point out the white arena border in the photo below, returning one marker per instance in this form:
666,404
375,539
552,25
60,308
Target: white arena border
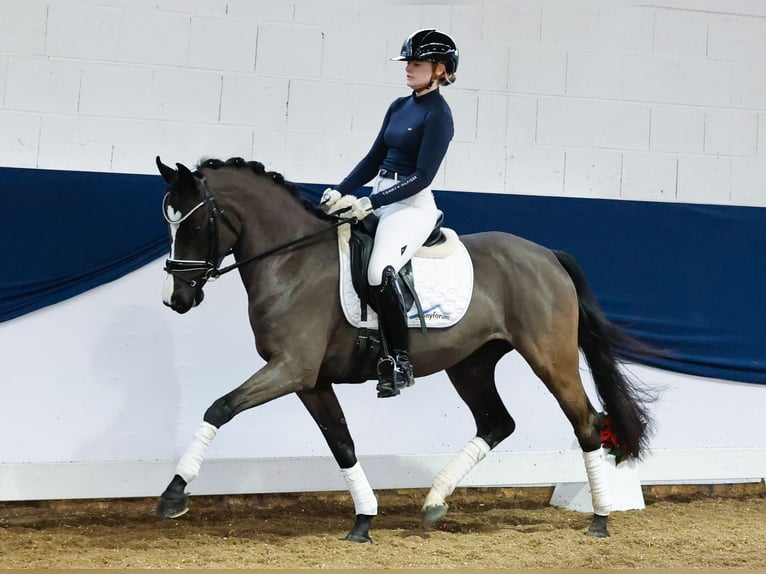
79,480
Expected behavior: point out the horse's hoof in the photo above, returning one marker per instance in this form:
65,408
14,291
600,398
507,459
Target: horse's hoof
434,513
361,530
598,528
173,507
351,537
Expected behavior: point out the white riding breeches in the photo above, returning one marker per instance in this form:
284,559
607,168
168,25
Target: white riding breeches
403,227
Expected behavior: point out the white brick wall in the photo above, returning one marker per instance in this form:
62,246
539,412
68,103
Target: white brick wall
663,101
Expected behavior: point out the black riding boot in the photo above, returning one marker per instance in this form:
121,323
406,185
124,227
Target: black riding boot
394,368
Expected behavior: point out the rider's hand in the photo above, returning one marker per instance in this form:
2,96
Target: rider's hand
361,208
358,208
329,197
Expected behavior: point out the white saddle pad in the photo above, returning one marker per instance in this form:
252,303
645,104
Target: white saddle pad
443,277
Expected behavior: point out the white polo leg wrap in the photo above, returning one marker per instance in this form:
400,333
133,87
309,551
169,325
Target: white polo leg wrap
188,466
361,491
600,489
456,469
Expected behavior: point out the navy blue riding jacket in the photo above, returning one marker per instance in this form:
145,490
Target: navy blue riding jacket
412,142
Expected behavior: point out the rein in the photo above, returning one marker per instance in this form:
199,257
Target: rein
218,272
210,267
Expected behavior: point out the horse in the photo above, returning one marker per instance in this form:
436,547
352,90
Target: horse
525,297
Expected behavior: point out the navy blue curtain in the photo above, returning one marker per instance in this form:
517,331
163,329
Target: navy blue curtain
684,278
66,232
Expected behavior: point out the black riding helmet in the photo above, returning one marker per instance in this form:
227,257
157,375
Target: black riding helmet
431,45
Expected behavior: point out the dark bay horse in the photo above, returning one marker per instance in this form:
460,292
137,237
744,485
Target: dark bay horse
525,297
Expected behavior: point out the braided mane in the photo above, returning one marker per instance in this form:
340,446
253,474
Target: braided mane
259,169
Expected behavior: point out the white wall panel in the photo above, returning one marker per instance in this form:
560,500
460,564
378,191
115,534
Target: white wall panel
261,10
20,138
704,82
737,39
22,27
537,70
151,37
593,173
535,171
468,21
222,44
649,176
370,102
465,109
515,22
106,87
704,180
677,129
492,118
748,181
341,14
257,101
680,34
731,132
476,69
395,17
42,85
288,50
570,25
748,86
594,75
316,106
651,79
80,143
354,55
82,32
521,125
480,167
625,29
195,7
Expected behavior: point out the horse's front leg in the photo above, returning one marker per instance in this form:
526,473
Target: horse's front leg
324,407
279,377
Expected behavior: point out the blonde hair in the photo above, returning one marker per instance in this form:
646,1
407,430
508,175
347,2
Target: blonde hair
446,79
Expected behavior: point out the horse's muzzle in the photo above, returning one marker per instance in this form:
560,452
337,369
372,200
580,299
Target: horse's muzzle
180,296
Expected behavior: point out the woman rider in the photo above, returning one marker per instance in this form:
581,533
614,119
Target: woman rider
402,163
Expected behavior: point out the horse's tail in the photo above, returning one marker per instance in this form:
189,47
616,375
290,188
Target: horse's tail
603,343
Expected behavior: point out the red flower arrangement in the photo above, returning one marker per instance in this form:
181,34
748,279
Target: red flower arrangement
609,439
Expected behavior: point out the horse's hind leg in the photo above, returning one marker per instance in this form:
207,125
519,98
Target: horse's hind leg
474,380
324,407
559,371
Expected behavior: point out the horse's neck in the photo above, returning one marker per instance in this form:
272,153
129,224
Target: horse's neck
268,214
270,218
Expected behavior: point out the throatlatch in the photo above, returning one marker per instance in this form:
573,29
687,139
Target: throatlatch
394,368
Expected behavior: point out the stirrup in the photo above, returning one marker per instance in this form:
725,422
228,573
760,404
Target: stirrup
394,375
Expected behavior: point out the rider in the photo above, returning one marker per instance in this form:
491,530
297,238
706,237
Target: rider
403,161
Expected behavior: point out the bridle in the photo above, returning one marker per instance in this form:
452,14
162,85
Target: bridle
209,269
204,270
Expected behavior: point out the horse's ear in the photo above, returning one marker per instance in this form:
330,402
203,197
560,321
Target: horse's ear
185,176
168,173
